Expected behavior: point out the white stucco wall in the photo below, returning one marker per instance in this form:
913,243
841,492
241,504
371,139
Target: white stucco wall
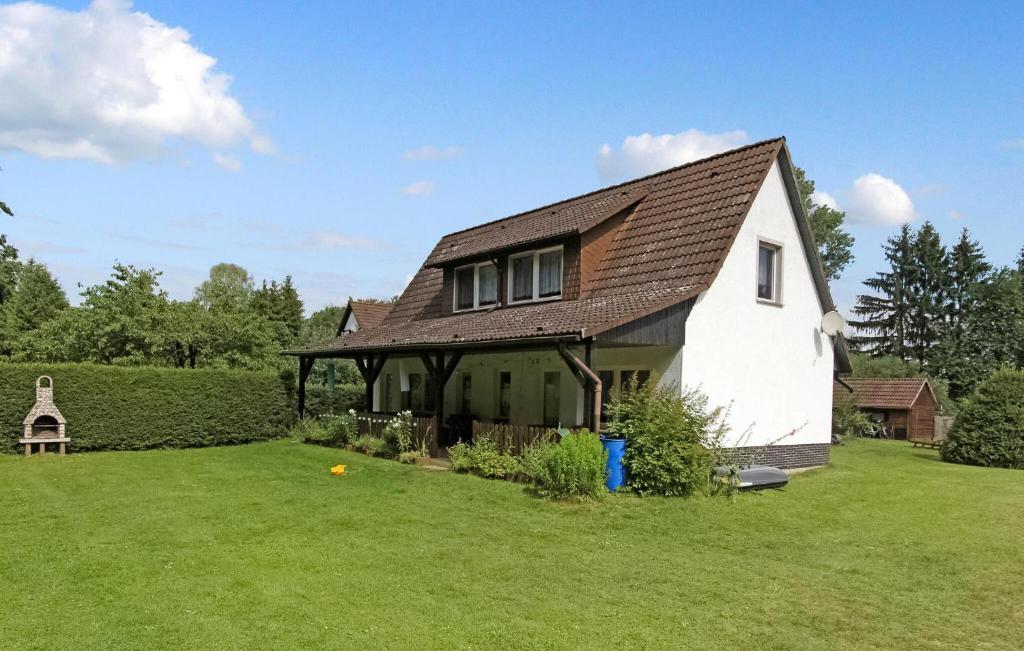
771,362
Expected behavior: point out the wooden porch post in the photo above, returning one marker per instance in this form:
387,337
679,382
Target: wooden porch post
370,369
584,375
305,366
440,371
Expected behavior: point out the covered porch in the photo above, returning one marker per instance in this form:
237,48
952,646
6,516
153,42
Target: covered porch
517,391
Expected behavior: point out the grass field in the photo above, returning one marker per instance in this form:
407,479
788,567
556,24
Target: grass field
258,546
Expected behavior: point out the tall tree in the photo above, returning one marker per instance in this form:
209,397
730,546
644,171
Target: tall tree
993,331
884,325
229,287
281,306
968,271
835,246
929,291
37,299
9,267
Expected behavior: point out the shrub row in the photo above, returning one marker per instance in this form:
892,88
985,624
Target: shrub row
138,408
572,468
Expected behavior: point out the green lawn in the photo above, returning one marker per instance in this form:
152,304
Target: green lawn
258,546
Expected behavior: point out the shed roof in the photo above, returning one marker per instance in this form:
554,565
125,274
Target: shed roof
881,393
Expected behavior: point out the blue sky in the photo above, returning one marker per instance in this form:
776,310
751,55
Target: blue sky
349,138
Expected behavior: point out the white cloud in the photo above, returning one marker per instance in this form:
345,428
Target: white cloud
109,84
226,162
419,189
820,198
875,199
430,152
955,215
321,240
646,154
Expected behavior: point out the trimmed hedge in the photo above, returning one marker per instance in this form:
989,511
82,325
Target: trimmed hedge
138,408
322,402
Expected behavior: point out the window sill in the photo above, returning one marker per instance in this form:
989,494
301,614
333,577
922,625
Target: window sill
765,301
475,309
546,299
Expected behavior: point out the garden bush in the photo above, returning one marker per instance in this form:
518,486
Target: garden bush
575,468
533,461
341,430
460,458
138,408
989,430
488,461
672,439
482,458
372,445
848,421
310,430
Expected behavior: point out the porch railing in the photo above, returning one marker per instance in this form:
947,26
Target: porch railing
513,438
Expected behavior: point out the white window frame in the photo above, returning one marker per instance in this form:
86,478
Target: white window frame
536,275
776,299
476,287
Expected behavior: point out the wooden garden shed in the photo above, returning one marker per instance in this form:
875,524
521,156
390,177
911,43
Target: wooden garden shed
905,406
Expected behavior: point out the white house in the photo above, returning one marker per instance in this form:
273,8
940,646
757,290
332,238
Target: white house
704,275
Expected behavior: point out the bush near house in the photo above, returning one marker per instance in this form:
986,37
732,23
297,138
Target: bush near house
672,439
989,431
575,468
137,408
848,422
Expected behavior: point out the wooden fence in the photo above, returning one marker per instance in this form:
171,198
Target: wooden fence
373,425
513,438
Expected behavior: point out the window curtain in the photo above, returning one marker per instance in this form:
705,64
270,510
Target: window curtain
488,284
522,278
464,288
550,274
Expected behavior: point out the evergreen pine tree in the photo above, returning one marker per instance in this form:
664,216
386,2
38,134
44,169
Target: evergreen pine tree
968,271
884,323
291,307
928,295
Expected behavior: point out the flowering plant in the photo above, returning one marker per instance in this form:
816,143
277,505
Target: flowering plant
398,432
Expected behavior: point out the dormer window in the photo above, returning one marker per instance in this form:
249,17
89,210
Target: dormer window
476,286
535,275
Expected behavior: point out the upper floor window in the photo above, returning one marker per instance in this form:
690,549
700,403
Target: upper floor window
769,272
535,275
476,286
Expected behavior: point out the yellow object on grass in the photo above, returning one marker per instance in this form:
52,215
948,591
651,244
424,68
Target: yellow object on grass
338,470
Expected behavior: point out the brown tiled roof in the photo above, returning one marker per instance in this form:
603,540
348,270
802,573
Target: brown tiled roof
669,248
370,315
880,393
579,318
576,215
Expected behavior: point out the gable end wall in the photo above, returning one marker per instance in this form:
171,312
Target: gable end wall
771,363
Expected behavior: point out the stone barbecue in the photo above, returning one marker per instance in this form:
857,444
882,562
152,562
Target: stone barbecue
44,423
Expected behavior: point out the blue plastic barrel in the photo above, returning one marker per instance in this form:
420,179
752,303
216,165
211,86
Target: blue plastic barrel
615,448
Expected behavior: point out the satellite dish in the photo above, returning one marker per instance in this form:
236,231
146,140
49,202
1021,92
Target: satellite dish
832,323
